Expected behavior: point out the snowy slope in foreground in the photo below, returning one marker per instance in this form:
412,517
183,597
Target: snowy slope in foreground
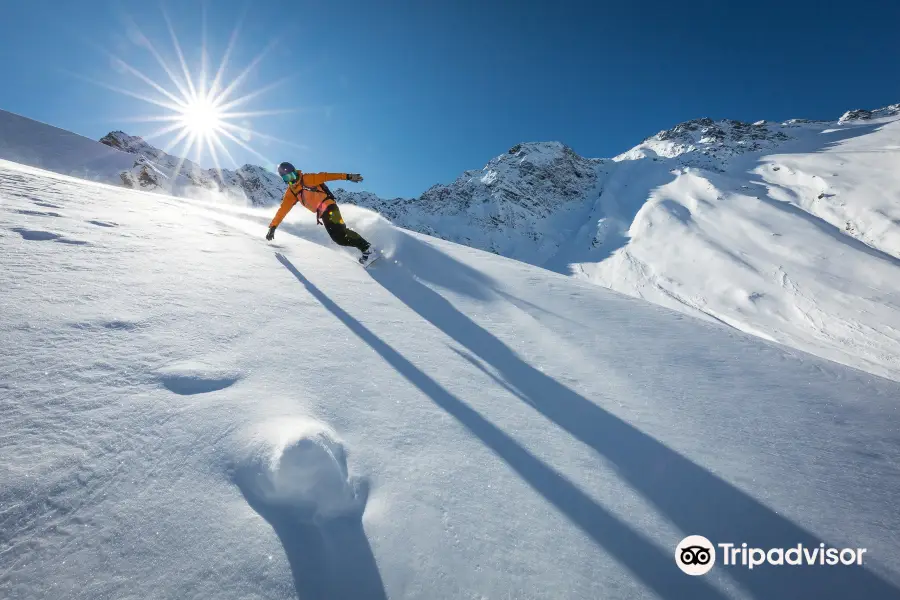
190,412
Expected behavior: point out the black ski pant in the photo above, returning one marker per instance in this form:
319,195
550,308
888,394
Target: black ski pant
338,230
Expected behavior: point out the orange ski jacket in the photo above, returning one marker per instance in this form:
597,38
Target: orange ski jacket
307,190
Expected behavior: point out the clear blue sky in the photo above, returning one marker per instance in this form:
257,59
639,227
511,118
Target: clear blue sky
411,93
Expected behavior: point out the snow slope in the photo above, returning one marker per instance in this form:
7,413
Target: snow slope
30,142
191,412
800,245
130,161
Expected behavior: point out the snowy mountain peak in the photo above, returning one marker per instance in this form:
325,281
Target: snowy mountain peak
547,150
865,115
155,169
708,143
777,229
536,161
130,143
523,198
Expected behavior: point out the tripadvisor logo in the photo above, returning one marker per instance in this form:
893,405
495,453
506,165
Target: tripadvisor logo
696,555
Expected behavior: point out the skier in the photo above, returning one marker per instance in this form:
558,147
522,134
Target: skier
309,189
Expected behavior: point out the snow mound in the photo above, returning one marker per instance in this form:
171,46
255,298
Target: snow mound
299,465
294,475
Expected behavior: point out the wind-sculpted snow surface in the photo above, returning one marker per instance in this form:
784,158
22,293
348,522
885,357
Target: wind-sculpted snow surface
189,411
191,378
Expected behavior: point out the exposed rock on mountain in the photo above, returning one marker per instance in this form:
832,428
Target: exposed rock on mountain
155,169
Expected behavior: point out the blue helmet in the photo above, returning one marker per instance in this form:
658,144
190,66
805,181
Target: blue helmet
285,168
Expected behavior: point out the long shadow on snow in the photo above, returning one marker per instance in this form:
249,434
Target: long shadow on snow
329,558
631,548
693,498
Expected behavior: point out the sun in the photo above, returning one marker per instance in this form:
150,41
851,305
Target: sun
202,112
201,117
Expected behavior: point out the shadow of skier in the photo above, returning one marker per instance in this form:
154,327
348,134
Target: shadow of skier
642,556
690,496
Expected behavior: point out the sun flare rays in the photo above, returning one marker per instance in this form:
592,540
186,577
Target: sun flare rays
199,102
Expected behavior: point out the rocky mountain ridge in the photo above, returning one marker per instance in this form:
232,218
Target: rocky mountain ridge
537,202
156,170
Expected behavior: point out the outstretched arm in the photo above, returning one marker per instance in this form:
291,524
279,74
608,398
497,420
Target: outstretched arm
287,203
314,179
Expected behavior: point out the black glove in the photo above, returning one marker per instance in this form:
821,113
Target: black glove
354,177
271,235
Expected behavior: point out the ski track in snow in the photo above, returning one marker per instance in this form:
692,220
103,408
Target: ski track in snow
189,411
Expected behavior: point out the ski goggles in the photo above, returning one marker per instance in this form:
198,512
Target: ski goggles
289,177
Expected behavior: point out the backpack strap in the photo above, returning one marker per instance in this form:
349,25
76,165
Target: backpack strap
327,191
321,188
